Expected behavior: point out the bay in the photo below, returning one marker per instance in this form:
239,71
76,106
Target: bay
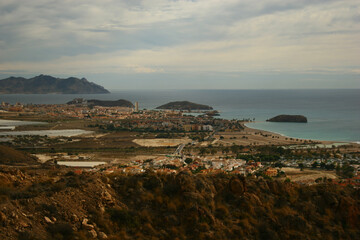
333,114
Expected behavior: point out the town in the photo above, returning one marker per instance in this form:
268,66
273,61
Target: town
172,141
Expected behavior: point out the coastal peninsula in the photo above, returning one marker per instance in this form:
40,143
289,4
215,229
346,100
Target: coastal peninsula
102,103
184,105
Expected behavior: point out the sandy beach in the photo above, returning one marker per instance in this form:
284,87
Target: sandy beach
251,136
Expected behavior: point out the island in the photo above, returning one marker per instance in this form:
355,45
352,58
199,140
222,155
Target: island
185,106
102,103
44,84
288,118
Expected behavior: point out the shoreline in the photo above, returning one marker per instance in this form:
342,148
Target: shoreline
305,139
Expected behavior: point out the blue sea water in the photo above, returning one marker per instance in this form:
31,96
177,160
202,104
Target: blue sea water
332,114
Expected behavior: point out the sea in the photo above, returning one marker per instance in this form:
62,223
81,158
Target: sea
333,114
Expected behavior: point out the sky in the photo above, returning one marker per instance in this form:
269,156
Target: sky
184,44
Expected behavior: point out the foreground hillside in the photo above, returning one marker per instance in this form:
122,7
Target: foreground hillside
10,156
57,204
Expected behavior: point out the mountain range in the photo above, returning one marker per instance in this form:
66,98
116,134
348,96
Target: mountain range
44,84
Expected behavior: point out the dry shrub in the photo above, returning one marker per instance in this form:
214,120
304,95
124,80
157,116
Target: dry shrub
145,215
147,197
203,227
245,224
171,206
175,233
265,232
148,229
120,235
124,218
61,231
221,211
159,200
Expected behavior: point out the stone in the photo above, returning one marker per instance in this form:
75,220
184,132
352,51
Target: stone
92,233
107,198
85,224
23,224
102,209
47,220
3,217
102,235
74,218
14,215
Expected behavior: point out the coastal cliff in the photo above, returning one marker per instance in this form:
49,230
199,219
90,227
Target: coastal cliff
184,105
288,118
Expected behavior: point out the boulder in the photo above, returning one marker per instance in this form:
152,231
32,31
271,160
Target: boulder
85,224
92,234
102,235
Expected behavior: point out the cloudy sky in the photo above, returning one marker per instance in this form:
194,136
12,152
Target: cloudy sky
184,44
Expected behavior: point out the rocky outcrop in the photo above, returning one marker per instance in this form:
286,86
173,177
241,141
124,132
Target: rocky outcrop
288,118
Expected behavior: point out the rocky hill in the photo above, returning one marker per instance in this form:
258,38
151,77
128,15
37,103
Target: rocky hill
103,103
288,118
184,105
44,84
62,204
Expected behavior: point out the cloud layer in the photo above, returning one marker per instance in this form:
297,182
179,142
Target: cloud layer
238,41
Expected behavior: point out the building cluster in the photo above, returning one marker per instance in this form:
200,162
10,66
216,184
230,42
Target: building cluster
154,120
123,118
205,165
